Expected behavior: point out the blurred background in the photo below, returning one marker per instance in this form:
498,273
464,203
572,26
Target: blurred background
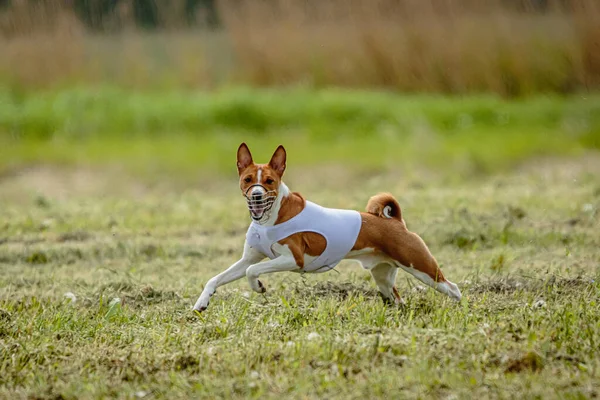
510,47
158,86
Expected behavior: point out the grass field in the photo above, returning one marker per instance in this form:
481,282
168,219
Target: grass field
191,132
108,234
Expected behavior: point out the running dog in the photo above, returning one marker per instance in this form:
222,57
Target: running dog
300,236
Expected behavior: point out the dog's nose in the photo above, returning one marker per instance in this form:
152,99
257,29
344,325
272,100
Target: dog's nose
256,195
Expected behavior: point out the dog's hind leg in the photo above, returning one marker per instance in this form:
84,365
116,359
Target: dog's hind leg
235,272
384,275
412,255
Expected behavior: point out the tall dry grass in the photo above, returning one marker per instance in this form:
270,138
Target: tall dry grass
418,45
511,47
39,42
45,44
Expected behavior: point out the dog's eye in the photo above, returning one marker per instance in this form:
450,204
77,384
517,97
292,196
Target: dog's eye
269,181
248,179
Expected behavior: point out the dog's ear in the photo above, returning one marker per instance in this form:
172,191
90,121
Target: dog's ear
278,161
244,158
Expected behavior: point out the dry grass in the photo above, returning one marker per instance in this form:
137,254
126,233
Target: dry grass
522,246
417,46
511,48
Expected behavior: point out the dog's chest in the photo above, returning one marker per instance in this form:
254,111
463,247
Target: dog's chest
340,229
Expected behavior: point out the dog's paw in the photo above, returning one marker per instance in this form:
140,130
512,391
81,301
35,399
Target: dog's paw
386,300
261,287
392,301
202,303
256,285
200,309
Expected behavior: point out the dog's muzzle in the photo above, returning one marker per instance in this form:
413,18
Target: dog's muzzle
260,200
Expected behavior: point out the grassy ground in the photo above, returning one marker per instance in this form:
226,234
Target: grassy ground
522,245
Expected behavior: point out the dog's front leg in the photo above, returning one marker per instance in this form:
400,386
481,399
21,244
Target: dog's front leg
279,264
235,272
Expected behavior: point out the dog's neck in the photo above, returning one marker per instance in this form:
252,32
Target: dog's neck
287,205
283,192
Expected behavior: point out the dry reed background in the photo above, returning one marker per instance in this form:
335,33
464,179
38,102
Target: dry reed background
454,46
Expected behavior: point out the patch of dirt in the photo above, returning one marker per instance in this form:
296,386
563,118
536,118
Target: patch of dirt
76,236
340,290
529,362
37,257
510,285
133,295
5,315
185,362
117,287
62,183
149,295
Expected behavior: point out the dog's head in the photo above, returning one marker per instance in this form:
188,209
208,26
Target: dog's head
260,183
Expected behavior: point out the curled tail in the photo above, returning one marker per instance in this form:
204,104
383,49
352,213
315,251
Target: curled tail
384,205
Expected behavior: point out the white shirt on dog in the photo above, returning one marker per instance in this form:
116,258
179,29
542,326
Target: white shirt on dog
340,228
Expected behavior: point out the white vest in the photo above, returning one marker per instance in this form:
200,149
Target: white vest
340,229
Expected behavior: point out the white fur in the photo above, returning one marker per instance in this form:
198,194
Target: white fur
448,288
387,211
258,179
382,268
368,258
384,275
233,273
281,193
284,262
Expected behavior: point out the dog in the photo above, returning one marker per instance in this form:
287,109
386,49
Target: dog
300,236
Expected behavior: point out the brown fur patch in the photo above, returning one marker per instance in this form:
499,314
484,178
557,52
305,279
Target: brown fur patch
268,177
391,236
300,243
396,293
377,203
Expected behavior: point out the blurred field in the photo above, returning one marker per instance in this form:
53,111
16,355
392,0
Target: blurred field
186,135
509,47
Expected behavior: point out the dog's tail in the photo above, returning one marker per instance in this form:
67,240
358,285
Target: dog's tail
384,205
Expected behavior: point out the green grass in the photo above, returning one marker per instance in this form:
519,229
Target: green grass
522,245
505,193
191,131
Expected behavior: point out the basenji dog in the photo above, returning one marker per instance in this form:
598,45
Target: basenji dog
300,236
